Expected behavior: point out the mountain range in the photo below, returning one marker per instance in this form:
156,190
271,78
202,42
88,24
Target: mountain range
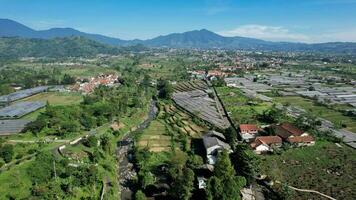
202,39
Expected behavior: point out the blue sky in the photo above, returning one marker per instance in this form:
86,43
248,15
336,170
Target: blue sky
276,20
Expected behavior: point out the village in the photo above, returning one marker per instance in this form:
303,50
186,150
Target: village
15,107
248,102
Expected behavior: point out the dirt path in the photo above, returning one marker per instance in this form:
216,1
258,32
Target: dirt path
311,191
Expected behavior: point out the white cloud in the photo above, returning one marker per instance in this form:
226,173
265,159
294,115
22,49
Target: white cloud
270,33
338,36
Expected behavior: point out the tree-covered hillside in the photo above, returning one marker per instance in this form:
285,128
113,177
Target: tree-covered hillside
58,47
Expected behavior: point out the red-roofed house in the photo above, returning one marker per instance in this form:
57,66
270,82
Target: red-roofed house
301,140
293,135
266,143
248,132
287,130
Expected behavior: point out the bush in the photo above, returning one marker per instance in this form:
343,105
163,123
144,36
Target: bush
41,170
2,163
32,151
91,141
140,195
19,155
7,152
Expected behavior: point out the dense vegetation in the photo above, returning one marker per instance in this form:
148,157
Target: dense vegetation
27,77
12,48
104,105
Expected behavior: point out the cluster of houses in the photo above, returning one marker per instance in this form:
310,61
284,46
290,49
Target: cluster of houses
210,75
88,86
284,133
215,142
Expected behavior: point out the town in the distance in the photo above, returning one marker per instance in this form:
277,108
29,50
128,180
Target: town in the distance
174,117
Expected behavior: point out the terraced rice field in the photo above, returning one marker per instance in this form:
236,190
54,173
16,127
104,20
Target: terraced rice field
155,137
182,122
166,132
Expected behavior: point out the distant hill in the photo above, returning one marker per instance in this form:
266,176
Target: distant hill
202,39
14,47
10,28
210,40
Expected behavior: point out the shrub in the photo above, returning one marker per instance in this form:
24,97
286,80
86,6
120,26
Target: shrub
7,152
91,141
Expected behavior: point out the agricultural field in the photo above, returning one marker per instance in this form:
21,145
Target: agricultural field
324,167
57,98
53,98
171,128
156,137
87,71
80,70
198,99
127,123
318,110
172,69
240,108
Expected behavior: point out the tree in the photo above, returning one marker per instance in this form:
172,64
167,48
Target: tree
214,188
307,121
184,184
105,143
7,152
165,89
146,82
195,161
91,141
271,115
218,82
47,191
68,79
41,170
140,195
231,136
245,161
5,89
311,88
146,178
224,184
223,167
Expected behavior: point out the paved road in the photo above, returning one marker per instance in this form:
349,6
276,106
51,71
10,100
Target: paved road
125,168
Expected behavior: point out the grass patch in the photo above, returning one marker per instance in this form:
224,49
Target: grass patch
53,98
330,114
15,182
324,167
241,109
57,98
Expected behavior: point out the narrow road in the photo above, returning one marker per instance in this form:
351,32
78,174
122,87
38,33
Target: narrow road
123,154
37,141
311,191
